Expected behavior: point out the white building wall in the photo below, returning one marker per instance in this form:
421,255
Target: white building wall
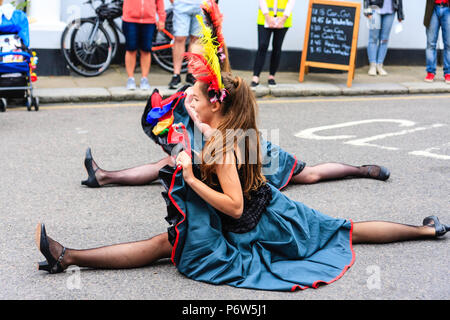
240,31
240,24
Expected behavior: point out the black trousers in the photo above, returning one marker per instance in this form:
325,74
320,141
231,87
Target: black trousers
264,35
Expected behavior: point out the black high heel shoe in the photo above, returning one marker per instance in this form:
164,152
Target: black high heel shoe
433,221
51,265
91,180
383,175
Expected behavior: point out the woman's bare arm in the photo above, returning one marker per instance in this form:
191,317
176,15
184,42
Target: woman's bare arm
231,201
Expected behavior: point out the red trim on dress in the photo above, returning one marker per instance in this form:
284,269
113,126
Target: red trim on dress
177,96
294,287
290,175
179,209
316,283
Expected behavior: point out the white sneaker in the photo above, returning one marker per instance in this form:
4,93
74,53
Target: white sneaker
381,71
372,69
131,84
144,85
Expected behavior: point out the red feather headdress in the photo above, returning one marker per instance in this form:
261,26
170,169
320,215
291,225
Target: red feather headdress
214,19
206,67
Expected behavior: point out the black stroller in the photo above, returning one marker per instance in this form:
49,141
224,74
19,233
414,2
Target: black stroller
16,62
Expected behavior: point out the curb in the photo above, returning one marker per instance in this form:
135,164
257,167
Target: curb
77,95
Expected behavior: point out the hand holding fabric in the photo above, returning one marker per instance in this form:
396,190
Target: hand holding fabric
185,161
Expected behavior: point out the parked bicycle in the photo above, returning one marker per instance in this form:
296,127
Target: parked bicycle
90,44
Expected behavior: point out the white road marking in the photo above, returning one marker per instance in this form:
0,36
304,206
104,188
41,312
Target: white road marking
429,154
81,131
363,142
310,133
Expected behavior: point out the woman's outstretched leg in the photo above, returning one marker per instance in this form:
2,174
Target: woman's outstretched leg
119,256
136,176
122,256
333,171
385,232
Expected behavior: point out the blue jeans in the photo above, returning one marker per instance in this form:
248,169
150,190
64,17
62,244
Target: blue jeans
378,39
440,18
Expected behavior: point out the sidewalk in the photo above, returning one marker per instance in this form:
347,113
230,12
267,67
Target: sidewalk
110,86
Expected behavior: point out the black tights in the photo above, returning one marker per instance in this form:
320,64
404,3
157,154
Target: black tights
147,173
142,253
386,232
118,256
264,35
332,171
136,176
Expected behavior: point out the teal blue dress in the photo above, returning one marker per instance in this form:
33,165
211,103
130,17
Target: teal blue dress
281,244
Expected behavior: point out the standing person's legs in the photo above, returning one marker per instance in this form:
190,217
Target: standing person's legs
432,35
190,79
185,24
277,43
445,23
130,62
178,51
146,32
130,31
146,60
386,25
192,41
181,32
372,49
194,30
264,35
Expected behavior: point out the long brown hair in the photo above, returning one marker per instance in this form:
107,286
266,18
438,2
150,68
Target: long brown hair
239,126
225,63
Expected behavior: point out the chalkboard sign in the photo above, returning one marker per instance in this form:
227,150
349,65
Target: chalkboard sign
331,36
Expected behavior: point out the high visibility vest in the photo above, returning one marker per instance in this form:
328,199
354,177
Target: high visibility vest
280,11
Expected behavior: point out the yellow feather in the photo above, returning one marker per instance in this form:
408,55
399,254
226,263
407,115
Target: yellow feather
210,46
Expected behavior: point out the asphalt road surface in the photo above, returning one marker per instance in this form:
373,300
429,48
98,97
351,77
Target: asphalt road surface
41,159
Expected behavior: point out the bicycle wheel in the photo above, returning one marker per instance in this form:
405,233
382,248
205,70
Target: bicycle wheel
164,57
111,28
68,50
90,43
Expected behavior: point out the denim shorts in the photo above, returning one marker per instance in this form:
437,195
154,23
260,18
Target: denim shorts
138,36
184,21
